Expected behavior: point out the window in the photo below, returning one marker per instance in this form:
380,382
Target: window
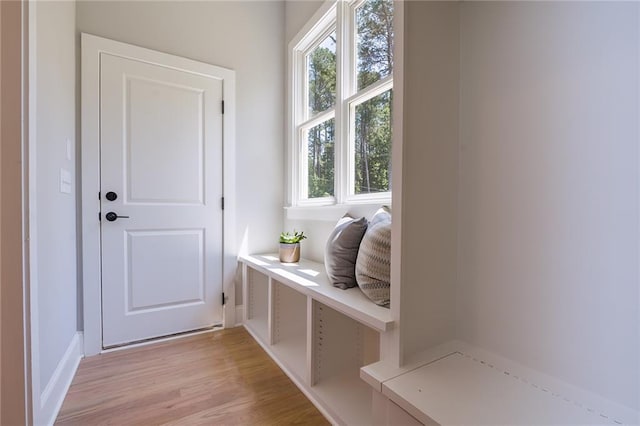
342,92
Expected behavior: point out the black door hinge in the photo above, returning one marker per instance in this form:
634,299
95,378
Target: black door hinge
98,195
223,107
224,301
99,217
222,203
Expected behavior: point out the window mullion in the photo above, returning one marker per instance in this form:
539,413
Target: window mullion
341,94
319,118
303,184
350,73
301,101
371,91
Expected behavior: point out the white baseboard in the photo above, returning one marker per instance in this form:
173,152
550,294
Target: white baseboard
54,392
239,314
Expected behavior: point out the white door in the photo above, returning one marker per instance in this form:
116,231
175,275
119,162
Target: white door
161,173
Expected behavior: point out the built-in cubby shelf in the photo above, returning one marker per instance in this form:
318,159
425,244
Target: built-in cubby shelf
289,335
256,313
310,278
348,397
328,342
319,335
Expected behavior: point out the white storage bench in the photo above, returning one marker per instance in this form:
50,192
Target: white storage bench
318,334
328,341
457,383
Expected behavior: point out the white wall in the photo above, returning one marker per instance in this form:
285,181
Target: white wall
521,186
54,228
548,263
247,37
317,226
540,184
297,13
429,174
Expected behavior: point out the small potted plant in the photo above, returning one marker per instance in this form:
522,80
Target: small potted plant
290,246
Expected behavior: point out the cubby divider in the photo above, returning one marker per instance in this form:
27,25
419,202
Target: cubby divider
289,332
256,289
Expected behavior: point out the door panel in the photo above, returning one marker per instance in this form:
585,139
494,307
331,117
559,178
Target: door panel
164,142
161,153
178,258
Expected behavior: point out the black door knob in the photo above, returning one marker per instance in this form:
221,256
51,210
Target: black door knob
111,196
113,216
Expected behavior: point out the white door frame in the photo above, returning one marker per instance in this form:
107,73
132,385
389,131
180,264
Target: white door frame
92,48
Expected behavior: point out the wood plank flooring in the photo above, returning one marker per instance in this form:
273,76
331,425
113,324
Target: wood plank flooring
221,378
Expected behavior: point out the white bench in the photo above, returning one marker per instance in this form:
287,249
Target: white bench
457,383
310,278
318,334
327,340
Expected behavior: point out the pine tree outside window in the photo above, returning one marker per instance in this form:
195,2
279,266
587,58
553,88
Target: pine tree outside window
341,103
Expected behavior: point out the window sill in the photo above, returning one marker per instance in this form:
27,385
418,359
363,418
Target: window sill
333,212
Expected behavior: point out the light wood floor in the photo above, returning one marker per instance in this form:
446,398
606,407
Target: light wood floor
223,377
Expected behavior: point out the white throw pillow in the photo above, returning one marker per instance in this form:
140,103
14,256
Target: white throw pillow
373,265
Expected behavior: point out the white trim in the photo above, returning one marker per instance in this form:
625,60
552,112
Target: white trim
341,133
333,212
317,119
369,198
92,298
229,244
390,343
239,315
48,403
32,231
317,202
92,48
371,91
27,85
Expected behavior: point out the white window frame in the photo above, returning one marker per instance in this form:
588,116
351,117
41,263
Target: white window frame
338,15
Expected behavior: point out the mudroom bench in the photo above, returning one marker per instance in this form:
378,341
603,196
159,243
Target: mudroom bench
318,334
458,383
328,341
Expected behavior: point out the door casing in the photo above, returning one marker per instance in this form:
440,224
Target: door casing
92,48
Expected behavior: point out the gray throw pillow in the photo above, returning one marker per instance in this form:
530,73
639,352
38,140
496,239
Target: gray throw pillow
342,250
373,265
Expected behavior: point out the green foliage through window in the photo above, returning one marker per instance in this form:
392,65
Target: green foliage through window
369,121
373,145
372,121
321,70
374,22
320,153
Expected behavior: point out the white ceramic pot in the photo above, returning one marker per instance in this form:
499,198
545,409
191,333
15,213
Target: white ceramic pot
289,253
